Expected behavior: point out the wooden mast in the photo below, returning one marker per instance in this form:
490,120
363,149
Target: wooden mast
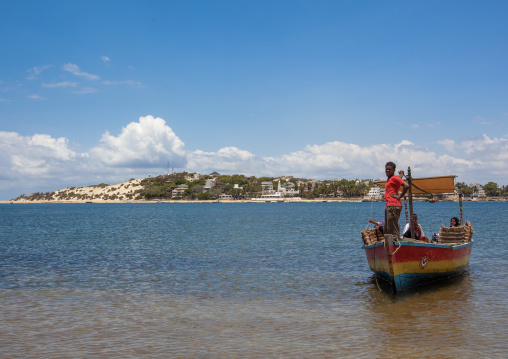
410,181
460,208
405,210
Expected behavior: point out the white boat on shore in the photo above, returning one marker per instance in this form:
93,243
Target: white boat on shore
271,197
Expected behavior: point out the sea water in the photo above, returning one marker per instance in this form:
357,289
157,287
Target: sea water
239,280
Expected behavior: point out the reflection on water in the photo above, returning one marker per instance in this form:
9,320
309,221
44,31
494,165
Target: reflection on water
424,319
250,281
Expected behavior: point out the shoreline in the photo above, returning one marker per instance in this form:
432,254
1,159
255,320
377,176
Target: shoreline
334,200
177,201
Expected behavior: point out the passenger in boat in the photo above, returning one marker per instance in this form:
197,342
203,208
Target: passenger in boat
392,199
454,222
377,224
380,225
418,228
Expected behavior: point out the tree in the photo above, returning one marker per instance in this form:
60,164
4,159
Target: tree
466,191
236,193
491,189
197,189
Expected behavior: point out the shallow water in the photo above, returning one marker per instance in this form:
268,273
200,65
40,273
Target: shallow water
281,280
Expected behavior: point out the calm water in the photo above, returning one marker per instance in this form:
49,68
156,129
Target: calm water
237,281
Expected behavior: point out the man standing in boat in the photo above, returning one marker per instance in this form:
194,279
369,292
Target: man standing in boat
392,199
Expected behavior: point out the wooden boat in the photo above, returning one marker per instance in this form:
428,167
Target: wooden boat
407,262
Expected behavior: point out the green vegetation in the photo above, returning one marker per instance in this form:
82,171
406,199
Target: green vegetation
189,186
491,189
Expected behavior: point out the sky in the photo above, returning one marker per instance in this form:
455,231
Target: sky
104,91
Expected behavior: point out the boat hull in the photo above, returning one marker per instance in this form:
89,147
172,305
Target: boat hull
415,263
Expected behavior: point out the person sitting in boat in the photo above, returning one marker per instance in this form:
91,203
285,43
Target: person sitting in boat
454,222
417,228
380,225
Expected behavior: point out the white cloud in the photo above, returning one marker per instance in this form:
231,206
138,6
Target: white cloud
105,59
225,160
41,163
448,144
60,84
148,143
434,125
34,156
488,153
75,70
333,159
145,147
35,71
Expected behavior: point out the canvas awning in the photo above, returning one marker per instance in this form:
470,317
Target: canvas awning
438,184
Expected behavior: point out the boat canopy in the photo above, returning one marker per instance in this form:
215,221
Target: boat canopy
438,184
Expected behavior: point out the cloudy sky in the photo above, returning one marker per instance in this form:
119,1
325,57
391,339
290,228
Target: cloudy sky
104,91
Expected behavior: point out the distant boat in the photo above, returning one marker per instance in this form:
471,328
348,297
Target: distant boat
271,197
406,262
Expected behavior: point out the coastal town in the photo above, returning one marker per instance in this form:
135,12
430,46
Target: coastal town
214,187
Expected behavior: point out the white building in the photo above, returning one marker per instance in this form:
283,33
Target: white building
375,193
179,191
209,185
478,190
193,177
267,186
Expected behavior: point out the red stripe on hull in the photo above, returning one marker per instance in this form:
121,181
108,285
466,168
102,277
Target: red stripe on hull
419,260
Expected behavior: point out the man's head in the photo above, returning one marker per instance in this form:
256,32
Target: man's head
390,168
414,217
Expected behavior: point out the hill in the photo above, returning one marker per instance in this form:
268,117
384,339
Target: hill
121,192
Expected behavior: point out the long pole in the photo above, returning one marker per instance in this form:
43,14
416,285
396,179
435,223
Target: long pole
460,208
405,209
410,182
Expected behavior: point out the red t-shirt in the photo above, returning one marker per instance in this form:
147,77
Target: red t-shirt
392,186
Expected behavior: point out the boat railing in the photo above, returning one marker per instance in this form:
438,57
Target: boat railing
447,235
371,236
456,235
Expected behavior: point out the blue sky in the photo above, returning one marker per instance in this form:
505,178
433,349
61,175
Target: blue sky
105,91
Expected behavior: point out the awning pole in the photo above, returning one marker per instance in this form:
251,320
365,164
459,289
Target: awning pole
405,209
410,182
460,208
